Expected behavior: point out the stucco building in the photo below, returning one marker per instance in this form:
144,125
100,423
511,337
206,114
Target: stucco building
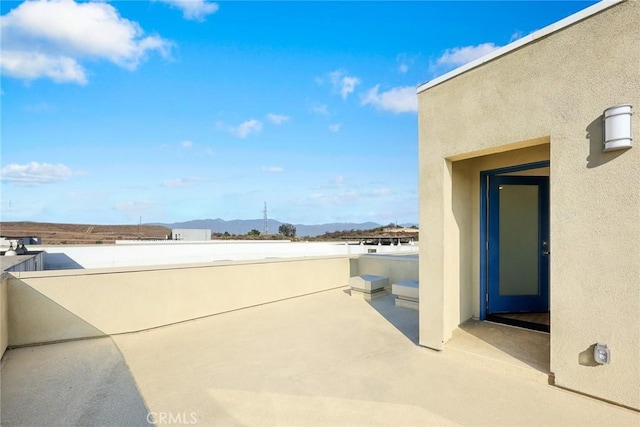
522,209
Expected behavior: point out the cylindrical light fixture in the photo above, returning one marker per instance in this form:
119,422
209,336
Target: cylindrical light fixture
618,132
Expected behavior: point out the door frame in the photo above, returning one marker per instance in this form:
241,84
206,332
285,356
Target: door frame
484,217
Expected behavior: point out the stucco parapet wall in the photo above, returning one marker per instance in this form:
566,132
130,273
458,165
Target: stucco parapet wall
395,259
181,266
63,305
405,257
537,35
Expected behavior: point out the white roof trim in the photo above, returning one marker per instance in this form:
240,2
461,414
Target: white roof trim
569,20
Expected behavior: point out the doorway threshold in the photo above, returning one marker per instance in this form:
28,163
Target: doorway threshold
533,321
527,350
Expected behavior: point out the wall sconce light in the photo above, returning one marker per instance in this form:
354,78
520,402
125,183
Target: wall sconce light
618,132
601,354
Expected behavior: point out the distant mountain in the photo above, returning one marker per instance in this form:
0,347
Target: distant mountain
243,226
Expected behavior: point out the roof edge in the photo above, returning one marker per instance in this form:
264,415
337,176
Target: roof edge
549,29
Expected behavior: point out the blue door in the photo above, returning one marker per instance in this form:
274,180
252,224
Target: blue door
518,244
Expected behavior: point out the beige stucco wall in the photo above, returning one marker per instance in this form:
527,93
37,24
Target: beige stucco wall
4,313
60,305
395,268
548,95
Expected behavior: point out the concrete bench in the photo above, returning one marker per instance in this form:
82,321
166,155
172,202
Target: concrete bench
407,293
368,286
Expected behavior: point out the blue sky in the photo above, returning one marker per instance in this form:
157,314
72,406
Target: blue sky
177,110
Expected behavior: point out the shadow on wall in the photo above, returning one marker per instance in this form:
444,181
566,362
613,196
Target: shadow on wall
36,319
460,204
354,268
77,382
60,261
595,135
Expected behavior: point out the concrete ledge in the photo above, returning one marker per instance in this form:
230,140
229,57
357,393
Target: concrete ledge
368,286
407,293
414,305
369,296
368,283
407,289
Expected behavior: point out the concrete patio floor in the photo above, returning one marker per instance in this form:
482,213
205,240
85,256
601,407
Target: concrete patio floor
320,360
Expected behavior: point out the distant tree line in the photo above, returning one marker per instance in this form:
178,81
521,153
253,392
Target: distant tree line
288,231
338,235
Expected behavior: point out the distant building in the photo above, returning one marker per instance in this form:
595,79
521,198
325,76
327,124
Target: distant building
191,234
27,240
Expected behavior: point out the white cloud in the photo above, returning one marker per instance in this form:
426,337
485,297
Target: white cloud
338,182
33,65
41,107
277,119
132,206
515,36
335,127
397,100
342,83
246,128
341,191
272,169
336,199
209,151
320,109
195,10
186,144
49,39
180,182
84,196
458,56
348,84
404,60
34,173
381,192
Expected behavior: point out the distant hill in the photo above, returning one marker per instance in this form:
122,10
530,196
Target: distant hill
243,226
75,234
